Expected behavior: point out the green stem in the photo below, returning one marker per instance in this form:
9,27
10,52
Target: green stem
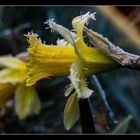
86,117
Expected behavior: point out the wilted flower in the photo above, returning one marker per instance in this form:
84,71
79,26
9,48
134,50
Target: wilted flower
70,57
12,81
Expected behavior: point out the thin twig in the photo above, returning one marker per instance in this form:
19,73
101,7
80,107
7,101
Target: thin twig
108,111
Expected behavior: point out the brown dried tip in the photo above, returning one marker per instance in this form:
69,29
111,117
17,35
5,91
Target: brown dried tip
124,58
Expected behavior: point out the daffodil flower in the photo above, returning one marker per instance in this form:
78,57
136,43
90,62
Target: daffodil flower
70,57
12,81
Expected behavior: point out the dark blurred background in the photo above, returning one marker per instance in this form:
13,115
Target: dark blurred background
121,86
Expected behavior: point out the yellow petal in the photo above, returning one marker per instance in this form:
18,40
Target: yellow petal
78,80
32,39
96,62
71,111
26,101
14,76
47,60
63,31
78,25
6,91
36,103
63,43
11,62
15,71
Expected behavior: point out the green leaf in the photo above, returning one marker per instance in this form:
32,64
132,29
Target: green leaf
26,101
71,111
121,128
